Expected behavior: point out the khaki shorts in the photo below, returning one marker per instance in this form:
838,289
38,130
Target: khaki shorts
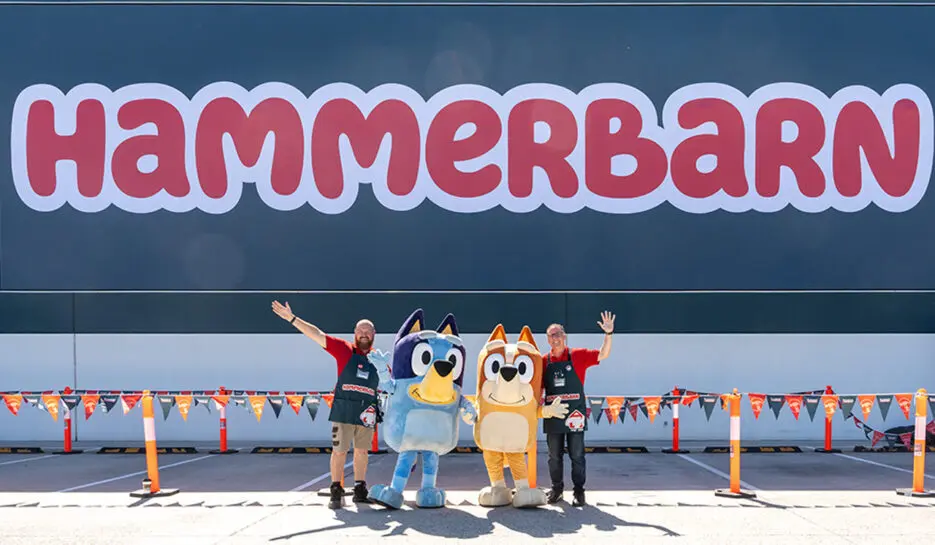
342,436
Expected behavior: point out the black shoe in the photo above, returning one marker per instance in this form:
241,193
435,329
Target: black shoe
337,496
579,498
361,492
555,496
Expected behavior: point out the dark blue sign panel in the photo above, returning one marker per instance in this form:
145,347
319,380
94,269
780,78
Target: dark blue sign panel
466,147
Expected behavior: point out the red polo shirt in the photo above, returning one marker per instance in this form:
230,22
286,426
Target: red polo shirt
341,350
581,359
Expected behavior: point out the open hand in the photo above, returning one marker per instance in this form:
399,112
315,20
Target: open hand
556,409
607,322
379,358
284,312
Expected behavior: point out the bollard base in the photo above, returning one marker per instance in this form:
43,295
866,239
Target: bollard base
912,493
72,451
828,451
674,451
143,493
727,493
228,451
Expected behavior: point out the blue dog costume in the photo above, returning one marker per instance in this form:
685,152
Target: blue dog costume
423,406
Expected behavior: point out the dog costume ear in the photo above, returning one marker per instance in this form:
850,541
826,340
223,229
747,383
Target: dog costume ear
526,336
413,324
448,326
498,334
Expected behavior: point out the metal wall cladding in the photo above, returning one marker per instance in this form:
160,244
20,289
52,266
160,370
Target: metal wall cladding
538,106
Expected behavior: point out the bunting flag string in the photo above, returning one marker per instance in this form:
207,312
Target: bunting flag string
610,408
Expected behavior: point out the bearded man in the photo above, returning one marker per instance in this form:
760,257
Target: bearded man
355,410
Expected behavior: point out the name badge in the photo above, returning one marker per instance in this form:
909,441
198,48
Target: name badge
559,382
362,374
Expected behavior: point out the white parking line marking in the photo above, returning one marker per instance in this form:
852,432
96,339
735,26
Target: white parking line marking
11,462
319,478
112,479
717,472
871,462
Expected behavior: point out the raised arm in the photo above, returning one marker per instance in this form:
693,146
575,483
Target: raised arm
310,331
607,324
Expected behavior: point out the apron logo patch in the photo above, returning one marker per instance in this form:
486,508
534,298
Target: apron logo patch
575,421
369,417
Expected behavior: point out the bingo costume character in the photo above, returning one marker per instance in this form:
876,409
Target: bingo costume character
423,407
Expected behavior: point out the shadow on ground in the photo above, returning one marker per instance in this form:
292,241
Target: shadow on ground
459,524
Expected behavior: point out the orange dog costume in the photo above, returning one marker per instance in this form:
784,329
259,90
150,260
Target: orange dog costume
509,387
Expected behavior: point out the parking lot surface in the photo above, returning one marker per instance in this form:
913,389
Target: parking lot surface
247,497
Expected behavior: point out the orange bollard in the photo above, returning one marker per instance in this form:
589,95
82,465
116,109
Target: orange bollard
918,453
223,428
733,401
151,486
827,449
67,430
375,445
675,424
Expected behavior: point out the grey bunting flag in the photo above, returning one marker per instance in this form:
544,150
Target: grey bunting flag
884,402
811,405
707,403
166,402
597,406
847,405
312,403
776,403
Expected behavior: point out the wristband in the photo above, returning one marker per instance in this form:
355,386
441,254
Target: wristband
292,321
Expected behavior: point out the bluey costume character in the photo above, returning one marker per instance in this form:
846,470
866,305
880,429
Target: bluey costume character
509,386
423,407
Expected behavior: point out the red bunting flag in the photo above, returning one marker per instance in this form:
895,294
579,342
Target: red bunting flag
614,404
876,438
13,402
866,404
906,439
295,402
830,401
905,403
90,403
756,403
184,403
329,399
795,405
689,398
257,402
129,401
51,402
652,406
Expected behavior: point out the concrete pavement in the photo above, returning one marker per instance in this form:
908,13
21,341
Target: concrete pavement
273,498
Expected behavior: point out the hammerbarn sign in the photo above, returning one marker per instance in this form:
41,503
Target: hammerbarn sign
148,147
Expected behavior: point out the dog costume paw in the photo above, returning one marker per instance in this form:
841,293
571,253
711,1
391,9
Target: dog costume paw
386,496
495,496
430,498
528,497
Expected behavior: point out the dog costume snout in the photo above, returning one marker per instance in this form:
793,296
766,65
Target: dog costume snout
443,367
508,373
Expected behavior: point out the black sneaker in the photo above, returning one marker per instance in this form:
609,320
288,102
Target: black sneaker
579,498
555,496
361,492
337,496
